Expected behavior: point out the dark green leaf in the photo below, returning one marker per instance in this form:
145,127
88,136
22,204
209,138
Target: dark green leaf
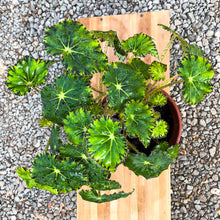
141,67
82,53
68,94
113,41
27,73
76,125
74,152
148,167
92,196
63,175
172,151
140,45
106,144
124,84
197,73
157,70
139,121
55,142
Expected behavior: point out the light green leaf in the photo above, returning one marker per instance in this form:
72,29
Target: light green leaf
160,130
76,125
45,123
197,73
157,70
139,121
63,175
30,182
140,45
68,94
148,167
124,84
27,73
106,144
92,196
81,53
157,99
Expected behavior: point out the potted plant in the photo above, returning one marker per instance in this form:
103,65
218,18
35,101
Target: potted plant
123,124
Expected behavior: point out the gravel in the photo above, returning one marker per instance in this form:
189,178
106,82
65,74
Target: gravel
194,175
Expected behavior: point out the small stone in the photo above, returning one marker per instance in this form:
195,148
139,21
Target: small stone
212,151
183,209
198,207
202,122
215,177
98,13
202,154
203,198
215,191
209,33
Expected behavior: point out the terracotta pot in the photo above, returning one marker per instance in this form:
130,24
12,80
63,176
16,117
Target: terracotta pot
177,120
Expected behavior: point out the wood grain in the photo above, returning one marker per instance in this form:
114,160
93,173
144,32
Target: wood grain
151,198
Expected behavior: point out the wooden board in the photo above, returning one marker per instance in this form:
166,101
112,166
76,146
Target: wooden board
151,198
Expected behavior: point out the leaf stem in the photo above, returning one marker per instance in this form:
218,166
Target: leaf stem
96,90
167,48
132,146
37,90
48,144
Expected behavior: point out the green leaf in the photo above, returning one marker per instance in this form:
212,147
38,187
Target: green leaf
63,175
172,151
157,99
76,125
194,49
124,84
30,182
106,144
139,121
27,73
160,130
81,53
76,153
55,142
45,123
157,70
148,167
26,176
68,94
140,45
113,41
183,42
197,73
141,67
92,196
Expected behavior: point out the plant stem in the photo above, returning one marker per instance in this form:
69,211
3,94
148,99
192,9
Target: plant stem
132,147
48,144
167,47
158,89
37,90
99,192
96,90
